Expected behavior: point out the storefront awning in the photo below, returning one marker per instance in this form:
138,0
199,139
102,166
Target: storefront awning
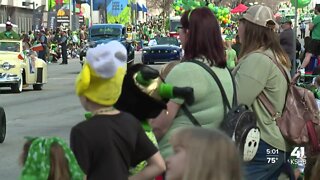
139,8
144,8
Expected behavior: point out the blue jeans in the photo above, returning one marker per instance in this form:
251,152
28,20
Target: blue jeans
268,166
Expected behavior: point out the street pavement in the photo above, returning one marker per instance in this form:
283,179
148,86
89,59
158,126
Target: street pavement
50,112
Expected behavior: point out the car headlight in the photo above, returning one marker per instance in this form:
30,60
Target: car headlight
175,51
7,66
145,51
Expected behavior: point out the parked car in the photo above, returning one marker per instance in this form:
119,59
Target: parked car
161,49
104,33
3,125
19,73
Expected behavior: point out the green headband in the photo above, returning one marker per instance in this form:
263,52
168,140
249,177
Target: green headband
37,165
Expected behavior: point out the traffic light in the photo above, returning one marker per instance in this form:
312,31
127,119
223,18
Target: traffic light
129,29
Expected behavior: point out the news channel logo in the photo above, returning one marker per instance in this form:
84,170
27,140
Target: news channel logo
297,156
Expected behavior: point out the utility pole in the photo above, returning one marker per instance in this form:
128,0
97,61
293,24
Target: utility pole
74,16
106,11
293,69
91,12
70,15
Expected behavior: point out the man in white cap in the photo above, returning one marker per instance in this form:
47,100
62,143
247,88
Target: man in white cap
9,33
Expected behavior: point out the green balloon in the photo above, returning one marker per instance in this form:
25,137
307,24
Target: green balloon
301,3
226,11
203,3
215,9
211,7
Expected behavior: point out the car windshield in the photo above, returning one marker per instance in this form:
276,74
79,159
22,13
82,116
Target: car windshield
10,46
105,32
167,40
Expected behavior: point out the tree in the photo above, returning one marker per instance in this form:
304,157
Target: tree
164,5
122,18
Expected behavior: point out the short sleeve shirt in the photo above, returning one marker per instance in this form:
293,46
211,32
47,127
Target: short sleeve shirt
316,29
231,54
106,146
208,105
256,73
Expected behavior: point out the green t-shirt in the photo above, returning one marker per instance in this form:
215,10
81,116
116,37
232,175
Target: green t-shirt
254,74
231,54
208,105
316,28
9,35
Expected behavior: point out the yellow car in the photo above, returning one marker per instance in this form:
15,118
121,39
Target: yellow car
19,69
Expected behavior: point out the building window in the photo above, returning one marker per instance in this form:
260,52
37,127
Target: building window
115,5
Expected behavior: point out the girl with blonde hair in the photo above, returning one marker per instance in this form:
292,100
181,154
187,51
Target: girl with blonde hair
203,154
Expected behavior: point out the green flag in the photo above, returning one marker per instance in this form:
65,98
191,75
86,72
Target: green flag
51,4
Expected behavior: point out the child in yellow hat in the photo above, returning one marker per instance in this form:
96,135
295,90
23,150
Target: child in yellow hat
111,141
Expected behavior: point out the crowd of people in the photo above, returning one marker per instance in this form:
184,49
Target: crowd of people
59,40
110,142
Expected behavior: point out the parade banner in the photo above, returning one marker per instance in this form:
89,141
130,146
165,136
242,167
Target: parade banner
52,20
63,19
37,20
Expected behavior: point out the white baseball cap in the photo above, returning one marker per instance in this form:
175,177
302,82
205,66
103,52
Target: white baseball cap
8,23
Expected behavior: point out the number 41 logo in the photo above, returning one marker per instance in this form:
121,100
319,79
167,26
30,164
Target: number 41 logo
298,152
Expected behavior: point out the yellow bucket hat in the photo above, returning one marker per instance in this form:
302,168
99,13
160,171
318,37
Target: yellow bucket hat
102,75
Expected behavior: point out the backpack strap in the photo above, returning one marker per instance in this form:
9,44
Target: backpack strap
226,103
262,96
190,116
215,77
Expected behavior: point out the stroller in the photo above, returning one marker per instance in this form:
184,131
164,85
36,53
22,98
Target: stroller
3,125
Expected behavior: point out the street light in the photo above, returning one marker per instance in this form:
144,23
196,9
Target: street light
33,8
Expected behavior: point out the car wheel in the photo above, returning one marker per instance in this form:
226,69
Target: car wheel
17,87
37,87
3,125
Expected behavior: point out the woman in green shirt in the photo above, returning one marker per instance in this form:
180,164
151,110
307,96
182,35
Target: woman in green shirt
201,40
256,73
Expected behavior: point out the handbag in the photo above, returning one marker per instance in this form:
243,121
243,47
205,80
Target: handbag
299,121
239,123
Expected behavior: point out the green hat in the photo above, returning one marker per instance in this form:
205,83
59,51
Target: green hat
37,164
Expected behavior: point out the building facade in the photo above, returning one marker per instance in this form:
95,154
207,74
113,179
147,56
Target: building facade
23,16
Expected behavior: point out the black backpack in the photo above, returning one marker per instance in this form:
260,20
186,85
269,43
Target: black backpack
239,122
